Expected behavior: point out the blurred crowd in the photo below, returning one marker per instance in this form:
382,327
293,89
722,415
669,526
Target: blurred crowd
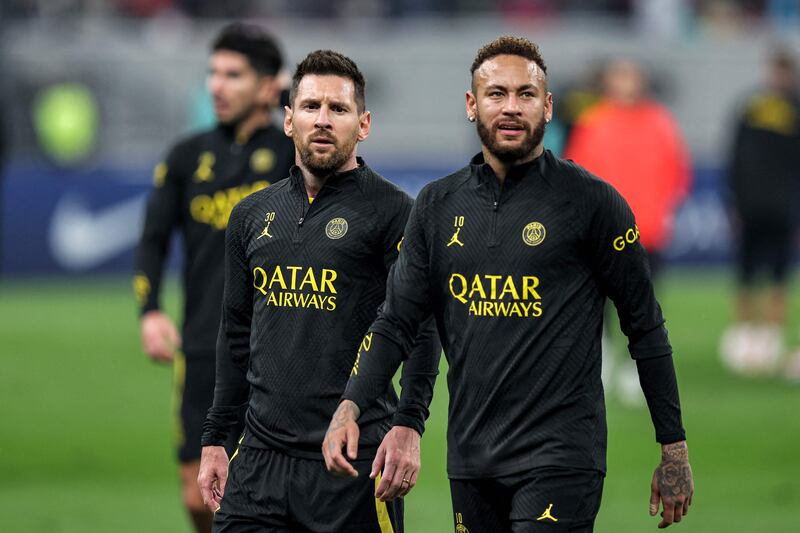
658,15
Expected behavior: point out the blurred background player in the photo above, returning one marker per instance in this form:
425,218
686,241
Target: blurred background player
635,144
764,172
195,189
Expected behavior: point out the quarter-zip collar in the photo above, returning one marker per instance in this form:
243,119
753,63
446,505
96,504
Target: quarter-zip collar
484,173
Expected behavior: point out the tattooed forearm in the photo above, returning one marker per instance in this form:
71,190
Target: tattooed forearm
674,474
346,412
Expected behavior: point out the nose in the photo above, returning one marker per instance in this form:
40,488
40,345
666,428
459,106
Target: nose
511,106
214,84
323,118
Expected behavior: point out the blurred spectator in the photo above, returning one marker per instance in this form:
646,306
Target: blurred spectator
764,172
632,141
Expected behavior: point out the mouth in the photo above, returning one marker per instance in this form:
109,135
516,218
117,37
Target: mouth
511,129
322,141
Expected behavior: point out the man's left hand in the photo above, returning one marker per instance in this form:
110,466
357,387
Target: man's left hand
672,484
398,458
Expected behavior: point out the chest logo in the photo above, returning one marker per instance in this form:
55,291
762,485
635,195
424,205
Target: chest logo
458,223
262,160
268,219
546,515
205,167
533,234
336,228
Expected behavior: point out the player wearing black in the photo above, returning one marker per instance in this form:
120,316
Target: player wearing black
196,187
765,182
306,268
514,256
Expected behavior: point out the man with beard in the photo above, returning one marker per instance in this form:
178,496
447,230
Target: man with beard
518,299
306,268
195,188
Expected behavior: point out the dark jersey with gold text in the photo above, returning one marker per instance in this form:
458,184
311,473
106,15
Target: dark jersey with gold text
304,281
516,279
195,189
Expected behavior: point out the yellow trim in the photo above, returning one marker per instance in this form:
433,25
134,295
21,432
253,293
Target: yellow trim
311,199
179,382
236,452
384,521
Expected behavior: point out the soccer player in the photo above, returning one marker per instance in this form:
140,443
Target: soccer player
764,181
518,299
196,187
306,268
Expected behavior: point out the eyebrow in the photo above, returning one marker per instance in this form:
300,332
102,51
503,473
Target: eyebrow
525,87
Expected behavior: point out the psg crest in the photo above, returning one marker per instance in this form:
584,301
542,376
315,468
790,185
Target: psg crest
336,228
533,234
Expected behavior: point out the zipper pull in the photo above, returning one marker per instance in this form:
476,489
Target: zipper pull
494,206
300,222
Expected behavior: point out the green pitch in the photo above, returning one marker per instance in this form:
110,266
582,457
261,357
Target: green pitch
87,423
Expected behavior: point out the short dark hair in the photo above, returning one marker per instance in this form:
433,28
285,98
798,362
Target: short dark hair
253,42
508,44
328,62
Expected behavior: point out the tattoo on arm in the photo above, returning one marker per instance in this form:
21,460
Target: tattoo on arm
346,411
674,474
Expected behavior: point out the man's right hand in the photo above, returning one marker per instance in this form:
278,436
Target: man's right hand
160,337
213,475
342,432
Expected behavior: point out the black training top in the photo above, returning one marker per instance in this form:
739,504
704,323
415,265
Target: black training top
516,280
303,282
765,159
195,189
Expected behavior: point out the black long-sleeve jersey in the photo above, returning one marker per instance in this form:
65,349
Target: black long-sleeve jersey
764,168
195,189
303,282
516,279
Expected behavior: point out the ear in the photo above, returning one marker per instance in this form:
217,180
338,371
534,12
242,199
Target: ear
472,105
287,120
548,106
269,91
364,123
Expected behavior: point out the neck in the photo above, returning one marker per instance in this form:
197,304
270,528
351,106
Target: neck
501,168
259,118
314,183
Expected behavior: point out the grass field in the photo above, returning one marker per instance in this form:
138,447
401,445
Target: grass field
87,427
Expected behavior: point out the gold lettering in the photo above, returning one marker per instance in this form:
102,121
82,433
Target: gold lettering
328,277
277,276
331,303
630,236
529,284
494,280
308,279
460,294
477,286
294,270
619,244
272,299
473,308
488,308
508,287
263,273
537,309
366,343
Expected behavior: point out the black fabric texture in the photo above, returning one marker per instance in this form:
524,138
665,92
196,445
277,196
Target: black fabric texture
660,387
303,283
516,279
